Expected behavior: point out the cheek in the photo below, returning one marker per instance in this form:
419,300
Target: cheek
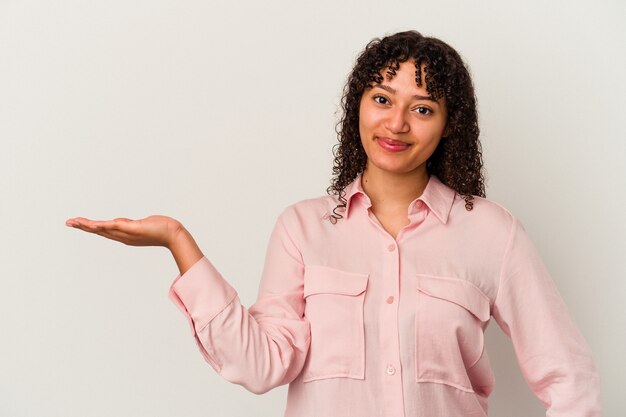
432,131
362,117
368,120
365,134
363,125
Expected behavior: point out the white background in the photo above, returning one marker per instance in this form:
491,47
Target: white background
221,114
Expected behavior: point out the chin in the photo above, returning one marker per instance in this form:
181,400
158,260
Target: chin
392,169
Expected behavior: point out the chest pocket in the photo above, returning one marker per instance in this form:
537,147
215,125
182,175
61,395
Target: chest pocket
334,307
449,330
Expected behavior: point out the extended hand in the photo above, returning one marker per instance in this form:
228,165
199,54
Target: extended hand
151,231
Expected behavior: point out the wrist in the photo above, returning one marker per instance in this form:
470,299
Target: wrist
177,234
184,249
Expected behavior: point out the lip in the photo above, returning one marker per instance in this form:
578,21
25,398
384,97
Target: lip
392,145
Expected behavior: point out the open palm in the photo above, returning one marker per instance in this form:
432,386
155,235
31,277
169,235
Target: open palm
154,230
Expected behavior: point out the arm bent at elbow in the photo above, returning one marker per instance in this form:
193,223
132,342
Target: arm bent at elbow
261,347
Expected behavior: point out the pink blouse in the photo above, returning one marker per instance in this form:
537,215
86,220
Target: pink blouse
360,324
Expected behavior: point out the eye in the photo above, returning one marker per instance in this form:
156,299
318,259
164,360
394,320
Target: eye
425,111
380,99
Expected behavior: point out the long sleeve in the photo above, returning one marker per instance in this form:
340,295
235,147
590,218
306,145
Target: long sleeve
261,347
554,358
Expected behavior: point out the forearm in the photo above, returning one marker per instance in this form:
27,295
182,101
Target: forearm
260,347
185,250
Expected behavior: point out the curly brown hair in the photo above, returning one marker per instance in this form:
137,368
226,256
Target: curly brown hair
457,160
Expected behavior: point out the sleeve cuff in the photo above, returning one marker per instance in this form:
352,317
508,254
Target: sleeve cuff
201,293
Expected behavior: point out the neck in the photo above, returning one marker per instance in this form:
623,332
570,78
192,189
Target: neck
393,191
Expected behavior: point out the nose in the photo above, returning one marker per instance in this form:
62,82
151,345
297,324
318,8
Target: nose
397,120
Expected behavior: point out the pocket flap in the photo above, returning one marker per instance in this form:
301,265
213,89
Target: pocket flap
457,291
325,280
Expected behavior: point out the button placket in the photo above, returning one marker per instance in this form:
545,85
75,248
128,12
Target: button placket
392,393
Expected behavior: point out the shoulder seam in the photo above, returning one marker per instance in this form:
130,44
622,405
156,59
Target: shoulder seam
507,250
283,223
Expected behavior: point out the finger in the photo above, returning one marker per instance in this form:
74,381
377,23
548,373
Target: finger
105,224
79,221
108,233
122,224
113,229
74,221
117,236
82,225
92,225
87,224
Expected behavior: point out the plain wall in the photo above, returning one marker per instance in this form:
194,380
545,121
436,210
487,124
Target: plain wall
220,114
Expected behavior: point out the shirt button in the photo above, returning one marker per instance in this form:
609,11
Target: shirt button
391,247
390,299
391,370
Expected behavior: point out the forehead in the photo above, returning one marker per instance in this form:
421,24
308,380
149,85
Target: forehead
408,74
404,72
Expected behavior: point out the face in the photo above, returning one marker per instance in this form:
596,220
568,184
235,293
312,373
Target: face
400,124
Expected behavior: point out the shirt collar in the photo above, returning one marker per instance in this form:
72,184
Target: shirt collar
437,196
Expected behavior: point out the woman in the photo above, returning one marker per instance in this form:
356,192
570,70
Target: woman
374,299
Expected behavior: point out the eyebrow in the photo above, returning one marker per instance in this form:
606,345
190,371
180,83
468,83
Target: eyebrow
393,91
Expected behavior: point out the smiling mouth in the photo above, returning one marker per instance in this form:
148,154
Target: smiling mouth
393,142
392,145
